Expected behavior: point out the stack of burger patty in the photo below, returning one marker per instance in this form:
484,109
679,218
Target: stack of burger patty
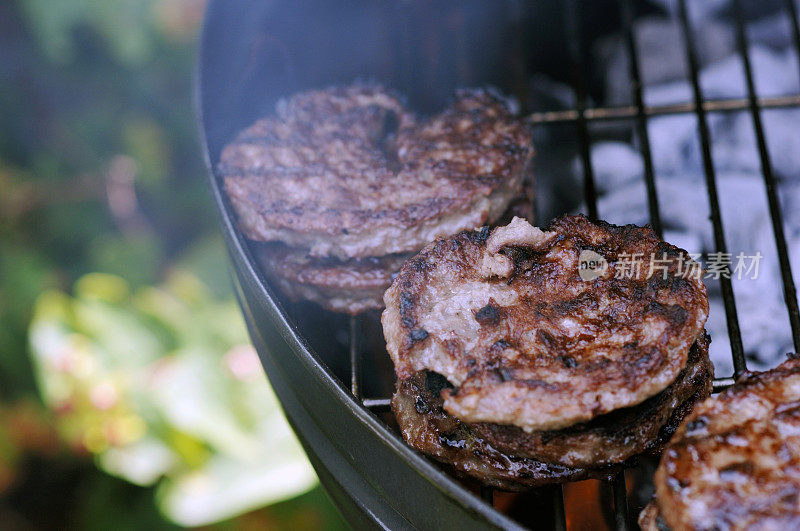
518,370
344,184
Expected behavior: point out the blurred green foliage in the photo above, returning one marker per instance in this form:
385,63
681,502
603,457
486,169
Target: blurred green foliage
100,173
99,166
162,387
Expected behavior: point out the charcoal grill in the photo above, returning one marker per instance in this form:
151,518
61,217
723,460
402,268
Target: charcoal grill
331,373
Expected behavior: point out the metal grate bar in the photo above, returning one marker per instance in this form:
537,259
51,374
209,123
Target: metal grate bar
720,384
559,514
354,358
631,111
487,495
791,10
377,403
789,292
620,493
731,315
572,24
641,119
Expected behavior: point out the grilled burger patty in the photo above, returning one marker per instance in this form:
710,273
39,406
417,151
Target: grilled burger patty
508,458
734,463
349,286
616,436
504,315
350,172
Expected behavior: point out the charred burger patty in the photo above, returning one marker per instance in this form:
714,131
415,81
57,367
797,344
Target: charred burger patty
504,315
507,457
734,463
547,375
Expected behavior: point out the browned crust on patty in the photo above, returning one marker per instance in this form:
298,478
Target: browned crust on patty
617,436
650,520
347,286
734,463
349,171
504,315
426,426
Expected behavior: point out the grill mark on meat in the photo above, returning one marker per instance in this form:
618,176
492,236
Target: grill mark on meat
504,375
500,344
696,426
406,309
417,335
547,339
351,172
489,315
568,361
736,472
481,235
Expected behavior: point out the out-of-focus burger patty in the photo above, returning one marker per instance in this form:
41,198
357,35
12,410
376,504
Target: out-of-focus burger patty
347,286
350,172
505,316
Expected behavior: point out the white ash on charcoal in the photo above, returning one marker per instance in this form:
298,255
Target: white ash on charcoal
680,180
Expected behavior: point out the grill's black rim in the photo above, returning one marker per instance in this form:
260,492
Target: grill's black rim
252,286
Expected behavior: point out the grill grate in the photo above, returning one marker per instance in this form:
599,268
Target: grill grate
731,314
639,113
789,292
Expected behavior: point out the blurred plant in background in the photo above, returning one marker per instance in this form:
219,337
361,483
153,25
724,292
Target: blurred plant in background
137,362
137,380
